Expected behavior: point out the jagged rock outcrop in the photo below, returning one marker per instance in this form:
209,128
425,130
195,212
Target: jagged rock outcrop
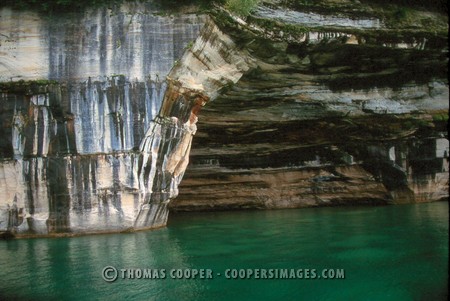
211,63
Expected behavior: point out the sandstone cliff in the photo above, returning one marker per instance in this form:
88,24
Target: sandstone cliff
84,147
343,103
294,105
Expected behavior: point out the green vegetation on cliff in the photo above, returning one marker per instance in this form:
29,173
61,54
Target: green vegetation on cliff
241,7
57,5
395,12
431,5
61,6
26,87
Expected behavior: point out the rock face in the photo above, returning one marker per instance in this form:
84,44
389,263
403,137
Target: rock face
300,106
84,148
135,40
335,109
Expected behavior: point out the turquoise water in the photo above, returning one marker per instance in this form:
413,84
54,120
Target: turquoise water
386,253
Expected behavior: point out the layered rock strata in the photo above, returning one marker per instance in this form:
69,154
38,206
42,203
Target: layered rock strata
85,148
336,109
300,106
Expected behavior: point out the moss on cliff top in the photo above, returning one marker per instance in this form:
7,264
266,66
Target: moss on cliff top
62,7
58,6
241,7
276,30
26,87
360,6
395,14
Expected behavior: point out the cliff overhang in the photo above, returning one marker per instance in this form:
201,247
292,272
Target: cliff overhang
292,106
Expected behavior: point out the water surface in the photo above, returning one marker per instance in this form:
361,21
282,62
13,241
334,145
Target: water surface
387,253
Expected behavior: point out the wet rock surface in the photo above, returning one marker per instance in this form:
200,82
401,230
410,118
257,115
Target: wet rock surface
290,107
85,148
324,117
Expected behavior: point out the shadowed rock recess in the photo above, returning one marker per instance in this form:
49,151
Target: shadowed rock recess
330,104
342,104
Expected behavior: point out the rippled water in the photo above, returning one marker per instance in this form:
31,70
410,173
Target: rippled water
387,253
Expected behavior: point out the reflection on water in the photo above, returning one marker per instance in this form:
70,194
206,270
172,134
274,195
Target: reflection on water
388,253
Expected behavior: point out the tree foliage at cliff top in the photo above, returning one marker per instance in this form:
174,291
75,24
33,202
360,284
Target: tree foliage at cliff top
240,7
